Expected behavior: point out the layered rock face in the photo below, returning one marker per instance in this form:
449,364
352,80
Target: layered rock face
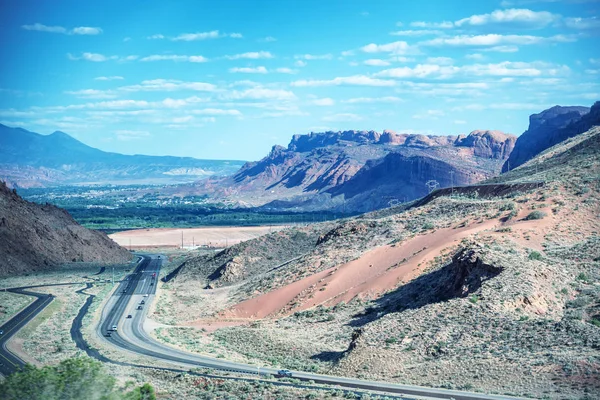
35,237
319,170
551,127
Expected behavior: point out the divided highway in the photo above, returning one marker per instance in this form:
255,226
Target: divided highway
130,335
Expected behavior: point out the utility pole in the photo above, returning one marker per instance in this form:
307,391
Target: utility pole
182,239
451,184
113,276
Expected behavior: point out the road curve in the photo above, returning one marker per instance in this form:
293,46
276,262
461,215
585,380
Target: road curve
9,362
130,336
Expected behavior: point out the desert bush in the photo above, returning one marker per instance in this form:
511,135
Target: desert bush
535,215
71,379
534,255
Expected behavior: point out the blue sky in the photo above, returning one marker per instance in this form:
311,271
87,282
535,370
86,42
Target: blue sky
229,79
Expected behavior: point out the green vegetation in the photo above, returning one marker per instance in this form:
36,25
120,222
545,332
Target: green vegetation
535,215
74,378
115,208
534,255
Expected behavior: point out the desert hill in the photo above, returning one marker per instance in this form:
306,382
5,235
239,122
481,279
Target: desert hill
28,159
360,170
35,237
551,127
492,290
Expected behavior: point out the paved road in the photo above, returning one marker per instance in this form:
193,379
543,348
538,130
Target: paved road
10,363
130,336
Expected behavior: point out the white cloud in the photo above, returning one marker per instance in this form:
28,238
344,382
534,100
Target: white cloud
249,70
375,62
358,80
475,56
93,94
459,122
495,40
284,70
300,63
583,23
236,35
327,101
157,36
269,39
505,68
503,49
86,30
366,100
80,30
169,85
216,111
513,16
108,78
595,61
396,48
251,55
188,37
421,32
172,57
258,93
343,117
313,57
44,28
438,25
440,60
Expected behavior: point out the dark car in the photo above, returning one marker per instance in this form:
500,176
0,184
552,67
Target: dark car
285,373
108,334
142,302
139,307
129,316
151,283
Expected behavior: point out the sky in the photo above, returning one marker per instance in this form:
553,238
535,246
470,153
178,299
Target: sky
229,79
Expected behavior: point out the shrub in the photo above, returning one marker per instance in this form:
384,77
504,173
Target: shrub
534,255
535,215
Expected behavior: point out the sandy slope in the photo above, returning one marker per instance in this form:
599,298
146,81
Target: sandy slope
171,237
375,272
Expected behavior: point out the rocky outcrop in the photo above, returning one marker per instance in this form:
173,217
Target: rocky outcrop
489,144
35,237
548,128
315,170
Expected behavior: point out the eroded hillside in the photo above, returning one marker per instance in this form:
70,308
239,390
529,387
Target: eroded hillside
487,292
36,237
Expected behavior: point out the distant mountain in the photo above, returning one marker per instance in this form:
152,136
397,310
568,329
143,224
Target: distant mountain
551,127
35,237
360,170
28,159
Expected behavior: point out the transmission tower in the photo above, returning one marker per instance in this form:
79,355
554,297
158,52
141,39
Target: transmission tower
432,185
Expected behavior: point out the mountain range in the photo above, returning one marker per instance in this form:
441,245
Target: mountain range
360,170
28,159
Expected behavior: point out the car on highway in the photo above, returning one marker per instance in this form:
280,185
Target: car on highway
285,373
146,295
129,316
114,327
139,307
108,334
1,332
142,302
151,283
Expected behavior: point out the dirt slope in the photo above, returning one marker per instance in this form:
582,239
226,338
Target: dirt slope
35,237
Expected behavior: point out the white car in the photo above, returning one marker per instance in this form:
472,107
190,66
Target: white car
114,328
146,295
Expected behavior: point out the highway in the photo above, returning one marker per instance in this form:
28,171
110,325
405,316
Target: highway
131,336
10,363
